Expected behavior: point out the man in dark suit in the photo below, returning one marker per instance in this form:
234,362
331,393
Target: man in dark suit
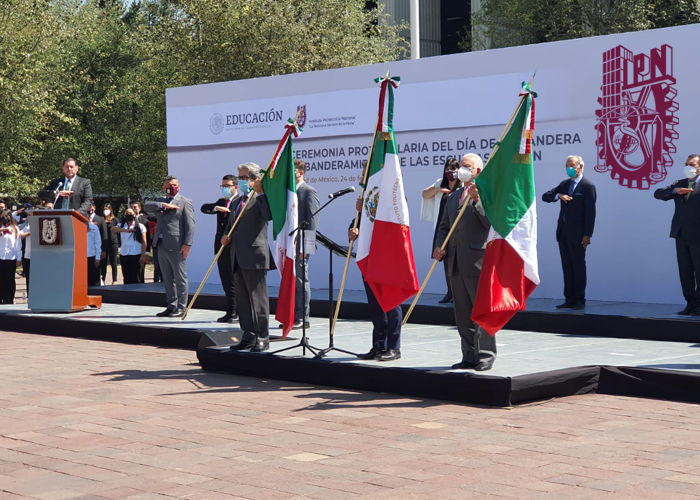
577,197
72,192
465,254
685,228
222,209
173,238
251,259
308,204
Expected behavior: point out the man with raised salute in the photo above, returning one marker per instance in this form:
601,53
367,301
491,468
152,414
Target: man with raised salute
222,208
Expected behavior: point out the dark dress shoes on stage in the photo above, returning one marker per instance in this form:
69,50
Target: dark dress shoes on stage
244,345
298,324
694,312
484,365
464,365
372,354
389,355
227,318
261,345
685,312
165,314
177,314
565,305
578,306
446,299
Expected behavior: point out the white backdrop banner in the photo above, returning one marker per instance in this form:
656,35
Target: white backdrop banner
625,103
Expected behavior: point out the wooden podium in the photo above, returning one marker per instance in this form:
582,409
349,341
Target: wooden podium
58,277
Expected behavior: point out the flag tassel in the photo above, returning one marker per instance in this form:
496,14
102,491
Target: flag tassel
464,206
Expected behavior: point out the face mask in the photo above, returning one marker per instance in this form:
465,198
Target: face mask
244,187
91,212
172,191
464,174
107,212
690,172
451,175
571,172
227,192
129,217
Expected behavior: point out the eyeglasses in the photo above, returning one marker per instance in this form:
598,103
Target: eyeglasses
245,178
226,186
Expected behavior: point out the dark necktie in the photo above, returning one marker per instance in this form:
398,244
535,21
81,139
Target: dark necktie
572,186
241,205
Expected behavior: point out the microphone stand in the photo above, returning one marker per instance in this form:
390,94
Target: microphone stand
57,193
304,341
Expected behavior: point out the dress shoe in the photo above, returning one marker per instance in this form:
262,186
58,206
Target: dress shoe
227,318
685,312
464,365
177,314
446,299
578,306
244,345
694,312
372,354
298,324
165,314
565,305
389,355
484,365
261,345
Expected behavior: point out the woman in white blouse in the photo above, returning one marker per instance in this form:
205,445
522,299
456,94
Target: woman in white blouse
433,204
133,248
10,256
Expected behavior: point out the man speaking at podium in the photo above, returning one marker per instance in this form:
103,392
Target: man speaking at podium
71,192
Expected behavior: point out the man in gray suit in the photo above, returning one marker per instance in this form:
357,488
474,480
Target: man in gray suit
465,255
173,238
250,258
71,192
308,204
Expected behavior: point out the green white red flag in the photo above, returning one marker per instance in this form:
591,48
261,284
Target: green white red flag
384,251
507,191
280,186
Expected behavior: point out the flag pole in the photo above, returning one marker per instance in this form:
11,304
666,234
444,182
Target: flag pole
464,206
235,223
354,225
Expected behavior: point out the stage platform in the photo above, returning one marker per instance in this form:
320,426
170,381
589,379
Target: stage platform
531,366
599,319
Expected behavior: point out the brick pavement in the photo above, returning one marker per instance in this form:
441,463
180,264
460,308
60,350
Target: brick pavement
96,420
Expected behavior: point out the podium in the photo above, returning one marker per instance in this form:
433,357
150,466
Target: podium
58,278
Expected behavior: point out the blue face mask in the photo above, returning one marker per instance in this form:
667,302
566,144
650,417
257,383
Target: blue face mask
244,187
226,191
571,172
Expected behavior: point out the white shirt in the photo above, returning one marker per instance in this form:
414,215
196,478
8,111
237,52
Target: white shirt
94,245
129,245
25,229
10,246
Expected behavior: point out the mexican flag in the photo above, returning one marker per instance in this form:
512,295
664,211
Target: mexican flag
280,186
507,191
384,251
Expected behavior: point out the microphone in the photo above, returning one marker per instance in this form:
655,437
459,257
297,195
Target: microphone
342,192
58,188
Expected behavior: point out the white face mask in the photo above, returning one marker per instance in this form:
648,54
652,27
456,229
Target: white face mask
464,174
690,172
107,212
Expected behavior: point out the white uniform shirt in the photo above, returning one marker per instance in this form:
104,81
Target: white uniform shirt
94,243
10,246
130,246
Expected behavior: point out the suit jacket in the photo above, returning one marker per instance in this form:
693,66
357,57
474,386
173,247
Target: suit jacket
249,247
577,217
80,200
221,218
174,228
686,218
308,204
467,244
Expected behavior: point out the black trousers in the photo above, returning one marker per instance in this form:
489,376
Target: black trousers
131,269
112,252
386,326
226,275
688,254
573,263
8,268
93,273
26,264
253,302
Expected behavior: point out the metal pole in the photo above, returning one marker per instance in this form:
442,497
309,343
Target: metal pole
415,29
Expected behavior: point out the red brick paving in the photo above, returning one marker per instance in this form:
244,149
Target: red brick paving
94,420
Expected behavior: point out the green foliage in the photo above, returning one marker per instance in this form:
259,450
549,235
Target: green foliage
87,78
504,23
